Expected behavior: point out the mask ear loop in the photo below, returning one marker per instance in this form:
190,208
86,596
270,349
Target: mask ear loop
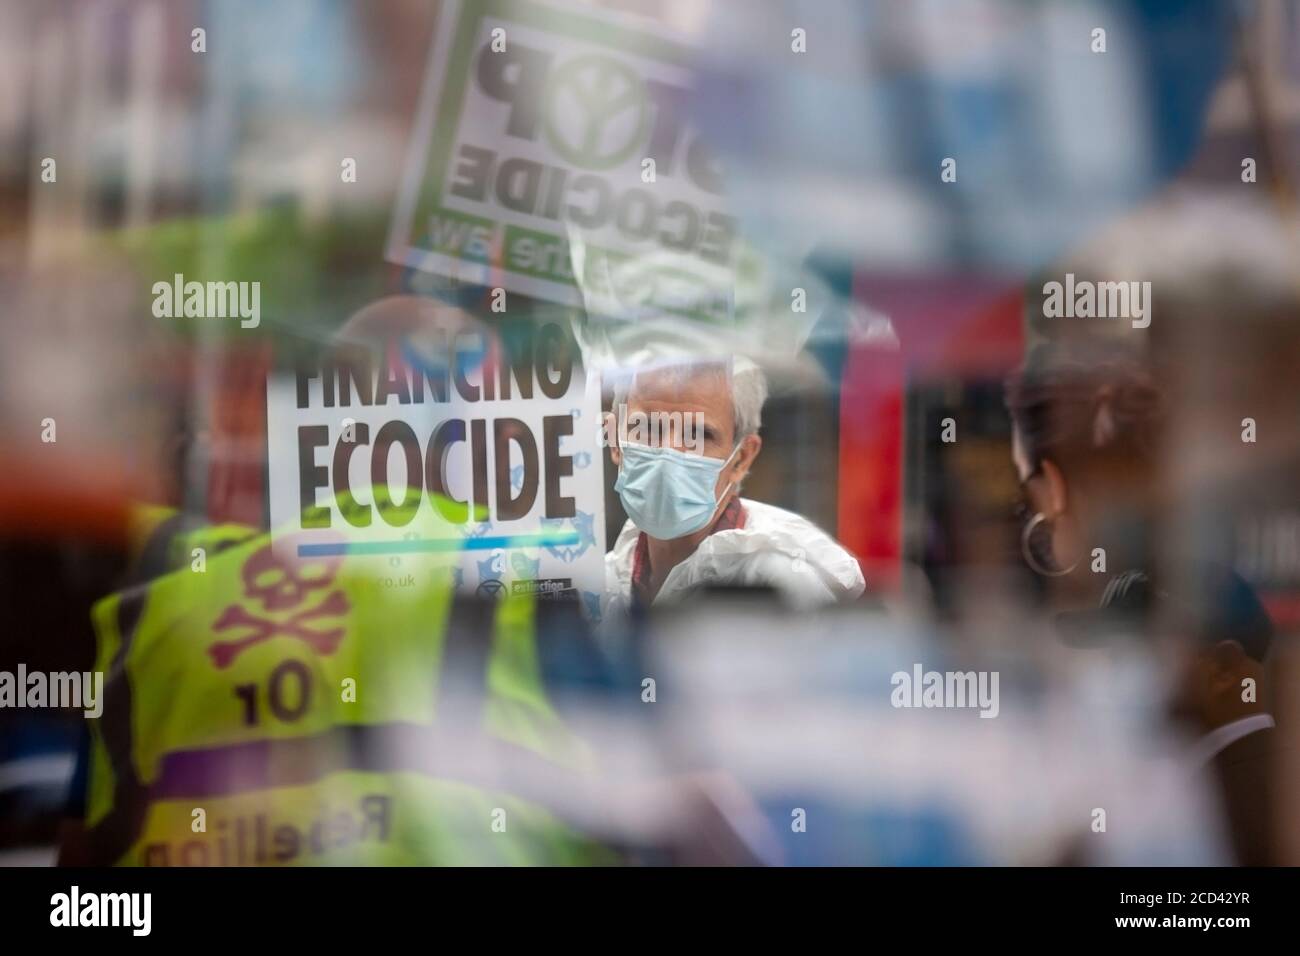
726,491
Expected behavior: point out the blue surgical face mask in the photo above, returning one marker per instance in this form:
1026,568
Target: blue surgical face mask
669,493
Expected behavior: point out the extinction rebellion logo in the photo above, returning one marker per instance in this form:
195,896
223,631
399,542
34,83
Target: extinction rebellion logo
597,112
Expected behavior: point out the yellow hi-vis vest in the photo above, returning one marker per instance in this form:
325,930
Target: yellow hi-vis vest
266,711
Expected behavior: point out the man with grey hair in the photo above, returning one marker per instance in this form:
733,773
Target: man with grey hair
684,437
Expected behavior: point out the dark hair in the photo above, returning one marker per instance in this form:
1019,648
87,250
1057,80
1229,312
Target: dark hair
1082,405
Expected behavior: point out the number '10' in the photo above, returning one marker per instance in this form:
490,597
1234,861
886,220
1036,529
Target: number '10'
288,694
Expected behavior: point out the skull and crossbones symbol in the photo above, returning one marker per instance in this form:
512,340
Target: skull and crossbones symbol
279,583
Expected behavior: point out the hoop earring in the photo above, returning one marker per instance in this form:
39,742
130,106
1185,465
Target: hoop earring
1028,552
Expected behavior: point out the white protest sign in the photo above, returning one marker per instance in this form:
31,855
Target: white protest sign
551,157
479,450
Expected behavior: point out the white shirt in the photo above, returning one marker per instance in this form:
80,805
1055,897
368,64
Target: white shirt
775,548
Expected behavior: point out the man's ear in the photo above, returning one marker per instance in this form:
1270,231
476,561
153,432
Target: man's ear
750,446
611,433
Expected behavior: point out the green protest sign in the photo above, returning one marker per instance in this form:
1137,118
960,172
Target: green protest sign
551,156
